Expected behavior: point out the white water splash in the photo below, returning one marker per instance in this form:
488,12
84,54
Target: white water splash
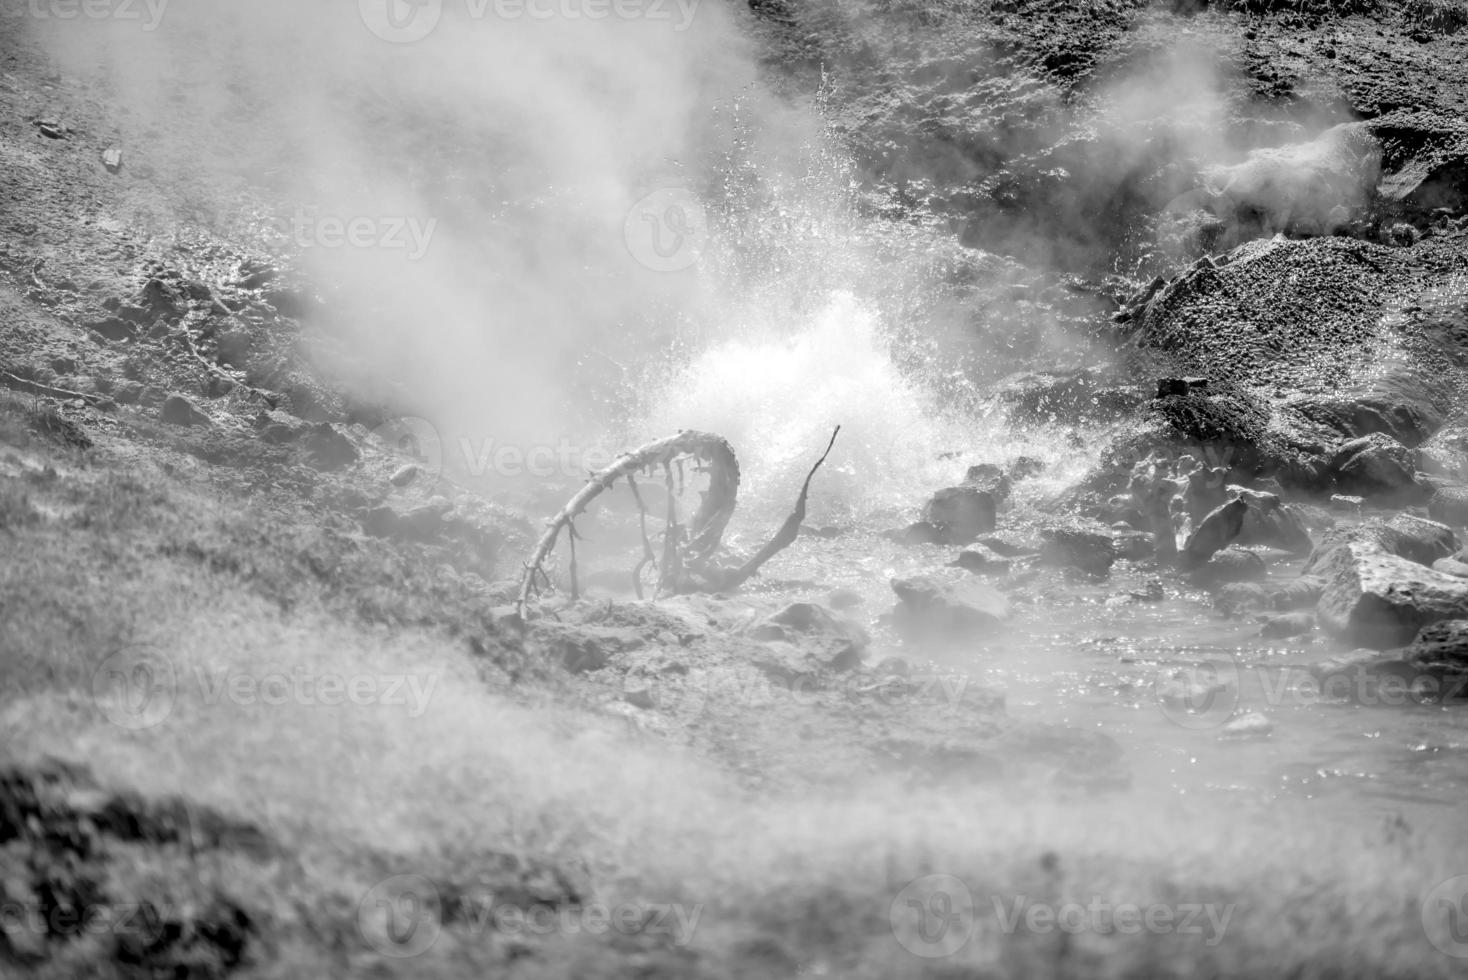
776,394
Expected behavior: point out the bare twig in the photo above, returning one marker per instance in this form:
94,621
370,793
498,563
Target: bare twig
787,533
36,388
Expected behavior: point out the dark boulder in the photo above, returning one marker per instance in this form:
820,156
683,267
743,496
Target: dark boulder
1377,466
1413,538
1228,565
961,513
1449,505
1213,533
982,561
1375,599
1079,546
178,410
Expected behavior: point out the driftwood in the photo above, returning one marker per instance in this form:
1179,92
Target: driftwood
688,553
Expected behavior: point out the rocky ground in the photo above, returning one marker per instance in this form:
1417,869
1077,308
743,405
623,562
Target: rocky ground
1268,262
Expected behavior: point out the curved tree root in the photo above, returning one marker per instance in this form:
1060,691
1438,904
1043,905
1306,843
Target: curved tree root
706,529
686,565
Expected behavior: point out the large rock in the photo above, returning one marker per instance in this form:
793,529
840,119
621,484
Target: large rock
931,608
1214,533
1271,522
1413,538
178,410
1445,454
1376,465
961,513
827,640
1077,546
1229,565
1449,505
982,561
1380,600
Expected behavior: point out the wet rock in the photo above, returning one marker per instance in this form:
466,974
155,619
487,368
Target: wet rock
327,449
1024,467
162,299
1432,669
234,346
1451,566
53,128
931,608
1237,598
112,159
1076,396
1251,725
178,410
989,478
982,561
1269,521
405,474
1449,505
1414,538
1401,404
919,532
112,328
1229,565
961,513
1445,454
1376,466
1426,160
1077,546
256,275
1289,624
1214,533
831,642
1298,593
1377,599
1440,650
1009,545
279,428
1133,545
1179,386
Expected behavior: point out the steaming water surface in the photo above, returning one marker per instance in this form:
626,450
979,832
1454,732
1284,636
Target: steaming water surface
1084,653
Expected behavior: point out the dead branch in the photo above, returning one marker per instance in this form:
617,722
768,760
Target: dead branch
708,522
686,563
49,391
783,537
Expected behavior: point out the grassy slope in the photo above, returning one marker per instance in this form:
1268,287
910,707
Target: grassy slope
509,783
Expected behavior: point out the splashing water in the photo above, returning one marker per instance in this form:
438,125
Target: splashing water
776,395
